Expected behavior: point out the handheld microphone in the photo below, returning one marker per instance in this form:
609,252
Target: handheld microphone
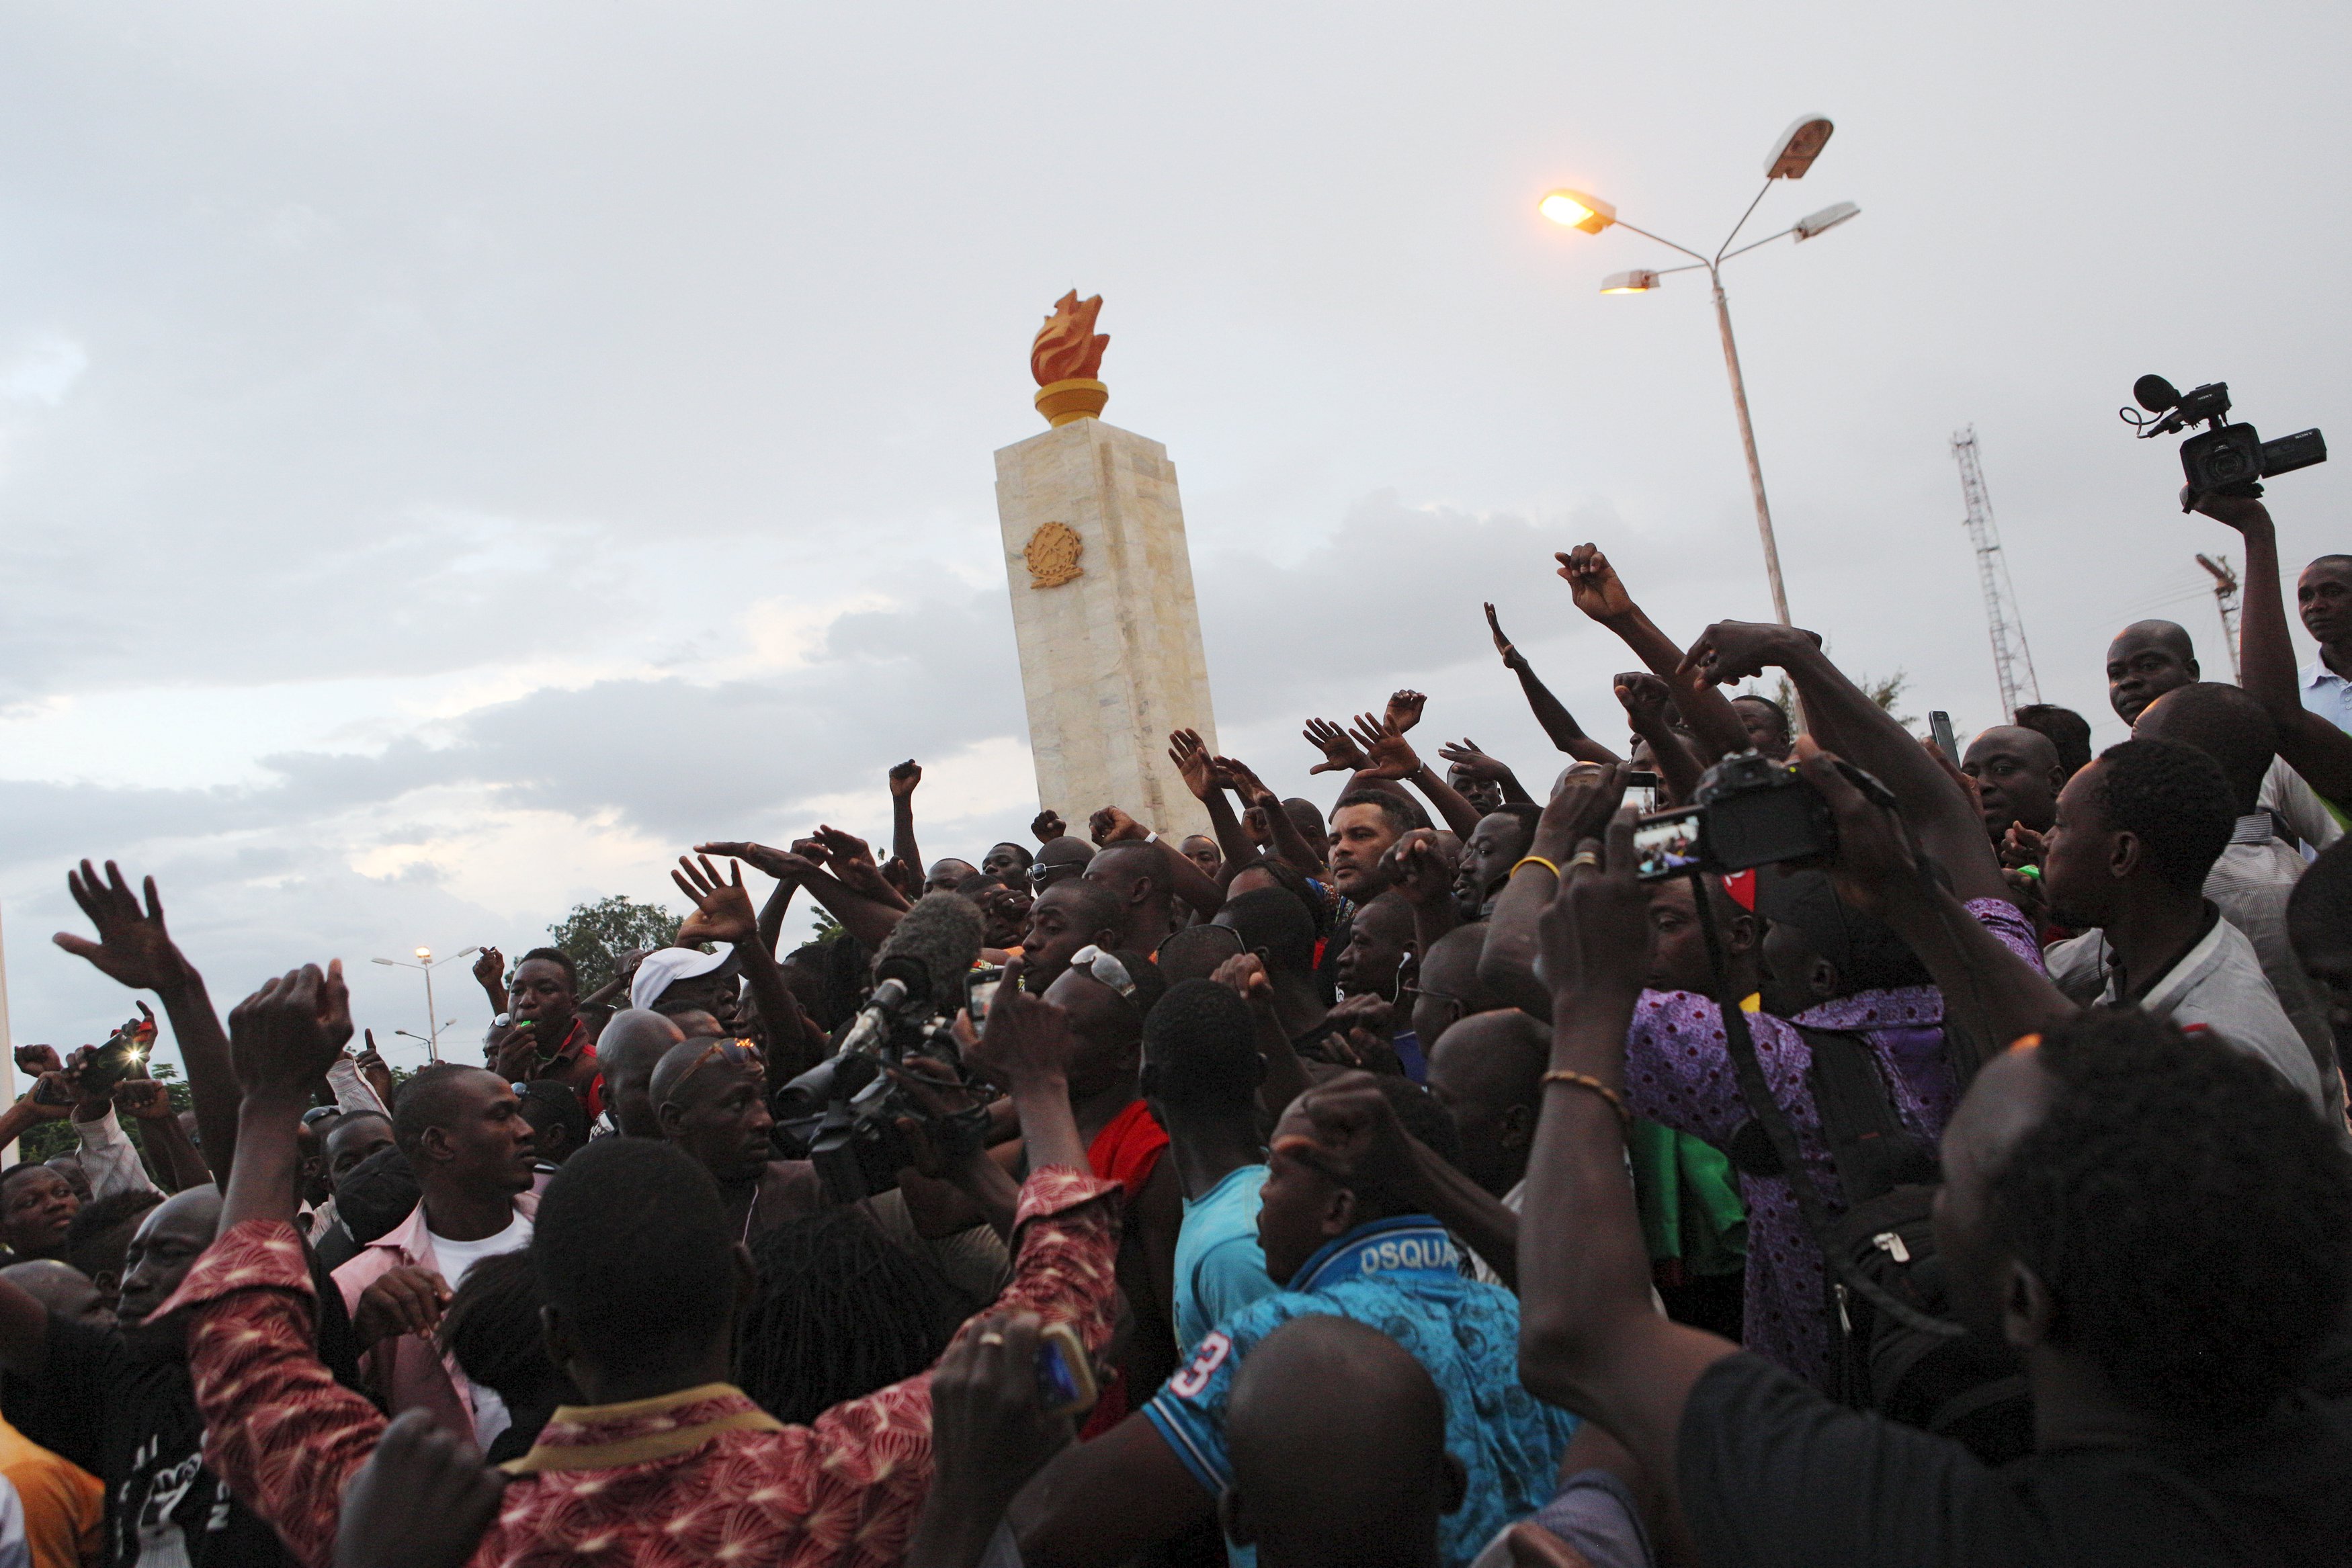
920,966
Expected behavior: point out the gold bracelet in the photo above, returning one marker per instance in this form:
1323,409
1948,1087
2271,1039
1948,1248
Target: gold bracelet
1526,861
1586,1080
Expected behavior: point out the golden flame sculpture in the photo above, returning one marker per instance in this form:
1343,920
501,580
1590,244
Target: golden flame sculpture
1065,357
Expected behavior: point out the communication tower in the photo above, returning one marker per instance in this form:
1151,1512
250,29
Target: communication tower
2225,598
2012,661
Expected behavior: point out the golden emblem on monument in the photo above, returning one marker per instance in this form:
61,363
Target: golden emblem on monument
1065,357
1052,553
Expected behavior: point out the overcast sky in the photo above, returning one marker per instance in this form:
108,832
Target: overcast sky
452,456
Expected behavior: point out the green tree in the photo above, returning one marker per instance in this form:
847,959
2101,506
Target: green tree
594,935
1888,694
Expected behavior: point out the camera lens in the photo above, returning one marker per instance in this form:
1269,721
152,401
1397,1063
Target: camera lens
2228,465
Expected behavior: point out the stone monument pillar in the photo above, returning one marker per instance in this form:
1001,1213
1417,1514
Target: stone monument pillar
1102,595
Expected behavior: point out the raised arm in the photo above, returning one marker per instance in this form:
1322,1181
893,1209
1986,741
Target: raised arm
1645,699
1201,776
1188,882
1417,868
279,1432
178,1164
134,950
870,921
1507,964
1393,761
903,779
1287,842
722,912
1598,591
1590,1340
2310,744
1992,997
1357,1138
1948,824
1471,760
1558,722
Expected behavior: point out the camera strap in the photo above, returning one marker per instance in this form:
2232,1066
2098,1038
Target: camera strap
1747,1072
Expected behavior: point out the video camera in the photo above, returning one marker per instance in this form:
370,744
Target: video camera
1751,811
2229,459
843,1115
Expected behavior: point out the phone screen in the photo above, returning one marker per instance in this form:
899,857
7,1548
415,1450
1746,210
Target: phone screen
1939,722
1666,843
980,989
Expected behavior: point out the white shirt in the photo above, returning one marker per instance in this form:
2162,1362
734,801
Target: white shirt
2327,694
2249,884
2216,985
456,1260
2299,806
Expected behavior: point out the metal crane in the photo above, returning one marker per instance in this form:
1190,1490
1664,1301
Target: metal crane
2012,661
2225,598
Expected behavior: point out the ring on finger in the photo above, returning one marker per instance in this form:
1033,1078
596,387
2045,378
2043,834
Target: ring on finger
1584,858
992,1337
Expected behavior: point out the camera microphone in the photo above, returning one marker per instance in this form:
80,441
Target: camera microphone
921,965
2154,393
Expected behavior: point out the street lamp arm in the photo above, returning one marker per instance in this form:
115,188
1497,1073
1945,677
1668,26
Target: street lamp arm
1742,223
1662,240
1751,245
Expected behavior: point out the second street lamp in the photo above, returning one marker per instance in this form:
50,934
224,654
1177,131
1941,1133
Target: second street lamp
1792,156
427,963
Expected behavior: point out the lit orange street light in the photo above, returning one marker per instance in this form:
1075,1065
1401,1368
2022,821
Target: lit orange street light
1792,156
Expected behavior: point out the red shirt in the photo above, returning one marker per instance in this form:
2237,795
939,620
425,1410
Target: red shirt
695,1477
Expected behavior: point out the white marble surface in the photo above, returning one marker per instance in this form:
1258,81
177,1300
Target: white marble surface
1111,662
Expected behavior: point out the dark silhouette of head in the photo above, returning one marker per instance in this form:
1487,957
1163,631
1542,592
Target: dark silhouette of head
2160,1208
2224,723
1336,1437
2066,730
2148,820
840,1311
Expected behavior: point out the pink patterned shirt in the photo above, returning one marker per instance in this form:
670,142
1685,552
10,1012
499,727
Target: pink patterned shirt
695,1477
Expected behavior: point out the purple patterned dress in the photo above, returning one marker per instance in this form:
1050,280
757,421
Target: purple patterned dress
1678,1073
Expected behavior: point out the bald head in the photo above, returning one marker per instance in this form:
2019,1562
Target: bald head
2147,659
63,1288
1488,1074
1062,859
633,1043
1449,983
700,1059
1137,875
2224,723
1337,1438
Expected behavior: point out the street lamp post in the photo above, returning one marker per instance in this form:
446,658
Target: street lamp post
1791,156
427,963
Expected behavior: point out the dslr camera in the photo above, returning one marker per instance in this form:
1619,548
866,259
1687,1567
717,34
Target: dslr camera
1751,811
2227,459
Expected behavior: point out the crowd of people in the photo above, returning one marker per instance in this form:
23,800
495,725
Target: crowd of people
1907,1158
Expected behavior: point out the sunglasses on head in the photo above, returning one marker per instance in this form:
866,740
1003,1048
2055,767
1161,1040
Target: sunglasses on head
1105,967
734,1052
317,1113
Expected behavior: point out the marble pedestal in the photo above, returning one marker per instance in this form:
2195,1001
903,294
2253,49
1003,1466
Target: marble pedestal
1110,654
